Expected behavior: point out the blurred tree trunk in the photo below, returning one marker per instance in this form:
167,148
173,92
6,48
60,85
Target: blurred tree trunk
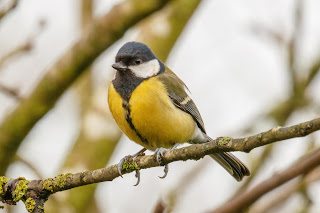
90,151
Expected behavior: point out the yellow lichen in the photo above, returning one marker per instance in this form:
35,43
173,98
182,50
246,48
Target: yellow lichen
60,180
20,191
224,140
3,181
30,204
57,182
21,178
47,184
130,166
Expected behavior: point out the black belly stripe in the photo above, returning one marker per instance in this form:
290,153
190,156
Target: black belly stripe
126,107
125,83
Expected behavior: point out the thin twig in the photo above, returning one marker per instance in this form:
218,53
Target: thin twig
292,46
272,202
25,47
10,92
4,12
182,186
30,166
284,193
240,203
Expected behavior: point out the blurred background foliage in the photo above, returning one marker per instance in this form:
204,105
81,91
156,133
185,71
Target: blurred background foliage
250,66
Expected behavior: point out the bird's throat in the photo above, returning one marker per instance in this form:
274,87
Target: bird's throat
125,83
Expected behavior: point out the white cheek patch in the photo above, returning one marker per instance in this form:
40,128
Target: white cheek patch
147,69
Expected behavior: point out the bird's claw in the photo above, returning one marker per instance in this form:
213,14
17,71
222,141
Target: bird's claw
166,170
120,164
159,155
126,158
138,177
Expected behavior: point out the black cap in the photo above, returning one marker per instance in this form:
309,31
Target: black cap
134,49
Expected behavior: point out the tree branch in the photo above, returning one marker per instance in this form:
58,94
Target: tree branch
271,136
12,5
271,204
240,203
41,189
14,93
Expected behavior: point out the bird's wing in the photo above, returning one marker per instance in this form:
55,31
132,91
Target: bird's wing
177,92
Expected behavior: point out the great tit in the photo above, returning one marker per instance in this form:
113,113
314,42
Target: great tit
152,107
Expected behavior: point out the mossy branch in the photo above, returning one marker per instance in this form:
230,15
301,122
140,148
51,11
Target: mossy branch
41,189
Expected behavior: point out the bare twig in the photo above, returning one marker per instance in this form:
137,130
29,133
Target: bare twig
41,189
269,33
160,207
4,12
240,203
256,166
10,92
30,166
25,47
271,202
182,186
284,193
292,45
314,70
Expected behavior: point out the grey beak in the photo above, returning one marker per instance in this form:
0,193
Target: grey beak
119,66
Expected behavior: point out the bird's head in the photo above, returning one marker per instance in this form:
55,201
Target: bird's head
137,58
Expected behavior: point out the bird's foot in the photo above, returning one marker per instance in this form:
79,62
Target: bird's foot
159,156
126,158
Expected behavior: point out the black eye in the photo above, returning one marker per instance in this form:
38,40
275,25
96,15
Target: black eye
137,61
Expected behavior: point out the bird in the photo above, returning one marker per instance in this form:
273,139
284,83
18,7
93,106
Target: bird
152,106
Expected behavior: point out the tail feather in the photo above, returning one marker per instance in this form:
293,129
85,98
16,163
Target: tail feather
230,163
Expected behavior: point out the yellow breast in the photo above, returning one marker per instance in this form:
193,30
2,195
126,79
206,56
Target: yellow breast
153,115
119,114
